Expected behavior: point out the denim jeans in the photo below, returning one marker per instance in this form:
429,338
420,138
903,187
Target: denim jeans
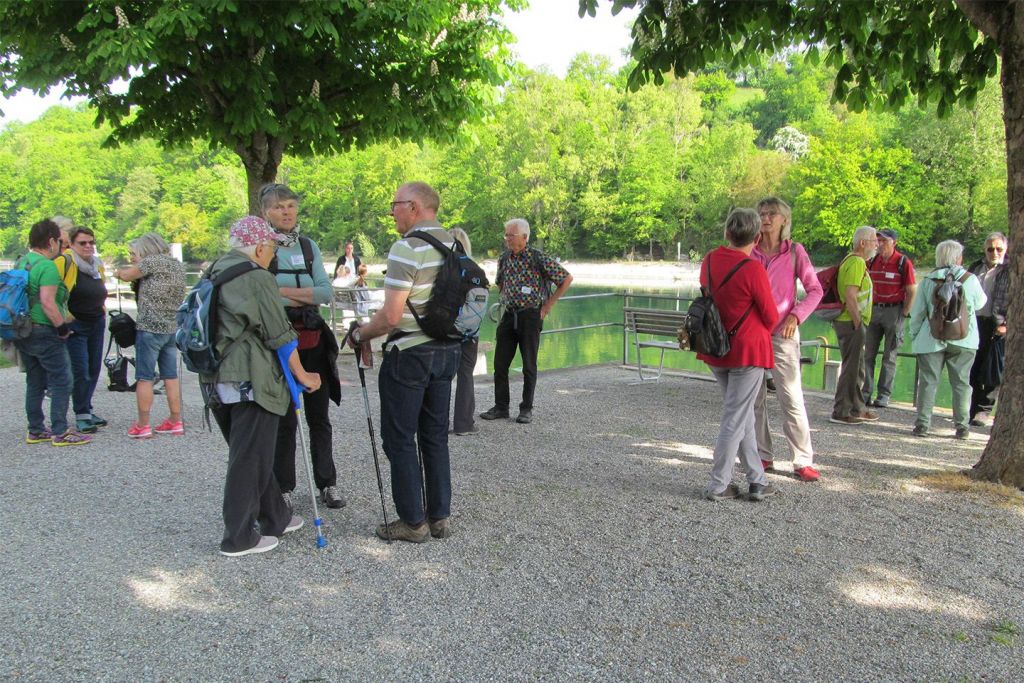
415,396
85,347
47,365
153,349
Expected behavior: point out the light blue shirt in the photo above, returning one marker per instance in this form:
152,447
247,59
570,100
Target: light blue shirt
921,337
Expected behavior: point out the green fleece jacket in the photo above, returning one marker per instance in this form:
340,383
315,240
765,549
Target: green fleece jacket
252,321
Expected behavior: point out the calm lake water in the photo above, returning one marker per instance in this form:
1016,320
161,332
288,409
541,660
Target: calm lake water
603,345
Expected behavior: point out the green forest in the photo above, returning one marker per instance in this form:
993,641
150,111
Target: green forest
600,172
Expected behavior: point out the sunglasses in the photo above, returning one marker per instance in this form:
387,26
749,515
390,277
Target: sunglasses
87,243
998,250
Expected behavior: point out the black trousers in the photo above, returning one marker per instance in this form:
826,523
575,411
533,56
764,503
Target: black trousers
251,494
983,392
314,407
465,399
517,329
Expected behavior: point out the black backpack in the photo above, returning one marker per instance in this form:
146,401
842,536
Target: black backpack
703,330
458,300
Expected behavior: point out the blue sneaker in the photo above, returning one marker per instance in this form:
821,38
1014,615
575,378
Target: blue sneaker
98,421
85,425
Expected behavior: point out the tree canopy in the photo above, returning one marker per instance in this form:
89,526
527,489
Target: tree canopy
262,78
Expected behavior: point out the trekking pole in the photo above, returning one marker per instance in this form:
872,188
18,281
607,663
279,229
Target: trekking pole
369,425
423,476
295,389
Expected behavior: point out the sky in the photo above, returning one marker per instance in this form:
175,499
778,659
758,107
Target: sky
549,34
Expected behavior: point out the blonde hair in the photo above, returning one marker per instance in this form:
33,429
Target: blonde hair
460,236
148,245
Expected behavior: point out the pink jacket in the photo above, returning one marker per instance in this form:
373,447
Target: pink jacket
783,271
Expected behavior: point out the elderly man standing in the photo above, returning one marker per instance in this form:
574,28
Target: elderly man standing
987,371
415,380
854,286
523,277
894,284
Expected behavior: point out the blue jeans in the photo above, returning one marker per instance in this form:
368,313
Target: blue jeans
45,356
85,347
415,395
151,349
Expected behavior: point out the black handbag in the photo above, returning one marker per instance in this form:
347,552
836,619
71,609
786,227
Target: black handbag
122,329
117,369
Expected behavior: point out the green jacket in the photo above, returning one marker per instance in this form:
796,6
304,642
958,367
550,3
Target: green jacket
252,321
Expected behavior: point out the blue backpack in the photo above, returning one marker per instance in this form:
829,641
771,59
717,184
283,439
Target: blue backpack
197,320
14,304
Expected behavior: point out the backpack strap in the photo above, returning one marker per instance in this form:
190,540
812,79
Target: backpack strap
728,276
456,248
306,245
219,281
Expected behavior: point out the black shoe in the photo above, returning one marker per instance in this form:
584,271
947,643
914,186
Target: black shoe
758,492
525,417
920,430
495,413
770,385
331,498
962,433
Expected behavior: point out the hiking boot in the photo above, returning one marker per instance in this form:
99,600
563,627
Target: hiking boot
400,531
97,420
525,417
170,428
731,491
70,438
140,432
85,425
39,437
331,498
495,413
807,473
850,420
962,433
866,416
265,544
473,429
439,528
758,492
768,465
294,524
920,430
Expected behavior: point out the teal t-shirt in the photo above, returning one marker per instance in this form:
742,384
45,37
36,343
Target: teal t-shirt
43,273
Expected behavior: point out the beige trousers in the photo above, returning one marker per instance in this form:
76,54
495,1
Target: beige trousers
790,393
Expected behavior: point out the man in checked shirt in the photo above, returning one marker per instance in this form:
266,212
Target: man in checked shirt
524,278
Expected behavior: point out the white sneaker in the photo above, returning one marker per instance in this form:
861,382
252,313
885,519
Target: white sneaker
265,544
294,525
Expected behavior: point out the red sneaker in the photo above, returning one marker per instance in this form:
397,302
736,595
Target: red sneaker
807,473
768,465
137,431
170,428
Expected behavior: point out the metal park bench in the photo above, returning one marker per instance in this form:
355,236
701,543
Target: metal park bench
653,322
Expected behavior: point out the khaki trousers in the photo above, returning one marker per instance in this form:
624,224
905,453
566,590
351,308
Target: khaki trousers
790,393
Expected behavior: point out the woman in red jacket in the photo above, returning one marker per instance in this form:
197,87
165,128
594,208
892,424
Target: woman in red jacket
749,313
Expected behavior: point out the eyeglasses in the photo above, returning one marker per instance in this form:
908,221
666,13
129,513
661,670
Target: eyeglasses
768,214
400,201
998,250
510,235
87,243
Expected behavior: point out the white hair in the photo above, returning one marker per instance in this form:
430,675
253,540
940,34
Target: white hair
521,225
948,253
864,232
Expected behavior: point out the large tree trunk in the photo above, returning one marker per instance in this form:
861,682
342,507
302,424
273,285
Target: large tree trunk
261,157
1003,459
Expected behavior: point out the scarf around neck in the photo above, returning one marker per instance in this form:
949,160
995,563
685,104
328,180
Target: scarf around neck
90,268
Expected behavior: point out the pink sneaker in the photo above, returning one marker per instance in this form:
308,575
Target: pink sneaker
807,473
170,428
140,432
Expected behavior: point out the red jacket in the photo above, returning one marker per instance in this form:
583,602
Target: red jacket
748,287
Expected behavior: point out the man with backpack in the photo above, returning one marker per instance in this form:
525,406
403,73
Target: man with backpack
415,380
854,286
525,279
894,284
987,371
944,332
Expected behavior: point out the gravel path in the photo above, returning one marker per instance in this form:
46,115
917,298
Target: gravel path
582,551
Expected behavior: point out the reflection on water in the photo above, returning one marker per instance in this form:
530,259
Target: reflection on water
603,345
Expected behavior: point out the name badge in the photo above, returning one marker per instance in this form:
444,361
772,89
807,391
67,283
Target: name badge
890,276
297,260
526,289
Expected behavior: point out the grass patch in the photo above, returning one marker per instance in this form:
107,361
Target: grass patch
1005,633
955,482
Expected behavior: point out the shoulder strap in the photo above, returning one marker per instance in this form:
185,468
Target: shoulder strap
433,241
306,245
234,271
219,281
728,276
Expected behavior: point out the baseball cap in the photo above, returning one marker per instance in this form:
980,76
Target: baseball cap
252,230
888,232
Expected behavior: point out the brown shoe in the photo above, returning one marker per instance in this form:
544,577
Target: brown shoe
866,416
400,531
849,420
439,528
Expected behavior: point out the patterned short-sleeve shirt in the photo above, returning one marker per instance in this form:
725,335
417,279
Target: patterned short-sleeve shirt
521,284
161,291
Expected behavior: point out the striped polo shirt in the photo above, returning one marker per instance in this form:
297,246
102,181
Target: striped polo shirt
412,267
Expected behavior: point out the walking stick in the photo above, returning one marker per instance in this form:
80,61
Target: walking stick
361,364
295,389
